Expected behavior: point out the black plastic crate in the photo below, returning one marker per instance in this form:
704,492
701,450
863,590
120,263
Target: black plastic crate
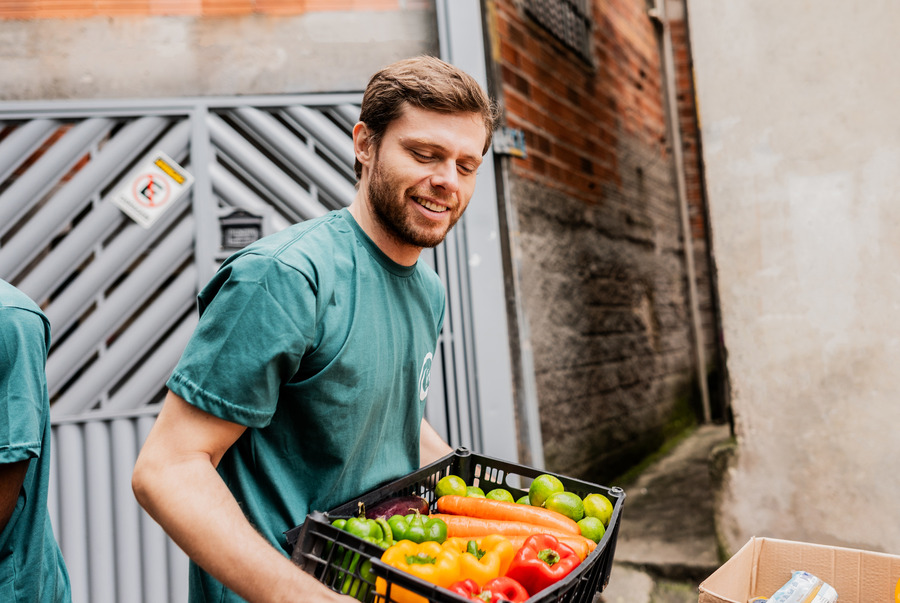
327,553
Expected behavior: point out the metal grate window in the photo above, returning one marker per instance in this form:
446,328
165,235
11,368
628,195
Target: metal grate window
569,21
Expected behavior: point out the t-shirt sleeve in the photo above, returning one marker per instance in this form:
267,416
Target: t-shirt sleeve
257,320
23,383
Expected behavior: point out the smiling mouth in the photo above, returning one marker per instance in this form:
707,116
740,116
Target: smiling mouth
430,206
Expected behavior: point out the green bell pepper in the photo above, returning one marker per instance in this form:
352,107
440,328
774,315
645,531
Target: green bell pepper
357,578
418,528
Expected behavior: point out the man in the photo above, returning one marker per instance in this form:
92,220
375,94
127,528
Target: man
31,565
304,383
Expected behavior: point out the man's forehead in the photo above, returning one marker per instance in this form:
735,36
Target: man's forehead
449,131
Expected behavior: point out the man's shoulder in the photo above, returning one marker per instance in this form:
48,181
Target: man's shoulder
13,299
310,238
22,315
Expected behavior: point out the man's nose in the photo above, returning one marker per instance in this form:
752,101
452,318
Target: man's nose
445,177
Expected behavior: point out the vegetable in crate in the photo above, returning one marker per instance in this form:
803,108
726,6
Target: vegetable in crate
494,591
376,531
399,505
541,562
428,561
486,508
484,559
462,526
418,528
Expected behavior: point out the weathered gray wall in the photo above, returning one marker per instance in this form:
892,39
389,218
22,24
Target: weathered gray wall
605,292
798,103
146,57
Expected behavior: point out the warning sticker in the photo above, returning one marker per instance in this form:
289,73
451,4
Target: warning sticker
152,189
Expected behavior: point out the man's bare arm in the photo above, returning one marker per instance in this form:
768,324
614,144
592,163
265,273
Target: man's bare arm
175,480
12,476
431,445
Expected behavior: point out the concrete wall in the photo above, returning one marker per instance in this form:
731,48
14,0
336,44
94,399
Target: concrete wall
176,56
801,139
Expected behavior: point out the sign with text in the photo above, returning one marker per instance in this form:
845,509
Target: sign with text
152,189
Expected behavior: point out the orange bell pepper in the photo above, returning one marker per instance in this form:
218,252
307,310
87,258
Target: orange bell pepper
482,559
427,560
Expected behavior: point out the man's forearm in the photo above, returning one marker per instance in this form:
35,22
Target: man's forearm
192,504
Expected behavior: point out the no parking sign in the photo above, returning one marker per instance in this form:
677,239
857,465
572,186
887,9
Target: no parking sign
152,189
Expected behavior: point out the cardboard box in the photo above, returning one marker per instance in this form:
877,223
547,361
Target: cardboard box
763,565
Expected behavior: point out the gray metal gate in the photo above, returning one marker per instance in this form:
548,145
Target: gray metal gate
121,297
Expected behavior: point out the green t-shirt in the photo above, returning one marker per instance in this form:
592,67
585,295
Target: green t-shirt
31,565
322,346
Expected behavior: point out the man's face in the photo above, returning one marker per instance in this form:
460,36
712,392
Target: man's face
423,174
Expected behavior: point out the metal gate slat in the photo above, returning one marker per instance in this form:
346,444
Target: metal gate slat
22,142
49,168
130,346
73,533
101,544
103,270
313,168
126,516
288,192
325,133
146,383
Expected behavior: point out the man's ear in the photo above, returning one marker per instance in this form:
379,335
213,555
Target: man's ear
362,143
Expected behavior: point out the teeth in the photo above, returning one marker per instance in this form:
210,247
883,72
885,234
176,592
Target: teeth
430,205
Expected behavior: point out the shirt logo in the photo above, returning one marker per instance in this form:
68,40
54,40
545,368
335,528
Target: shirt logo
425,376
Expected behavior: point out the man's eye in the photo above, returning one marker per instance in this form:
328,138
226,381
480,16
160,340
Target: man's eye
466,170
421,156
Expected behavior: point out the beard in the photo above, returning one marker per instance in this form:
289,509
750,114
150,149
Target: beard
389,206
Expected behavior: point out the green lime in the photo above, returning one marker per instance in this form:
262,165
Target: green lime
524,500
500,494
542,487
592,528
474,492
450,484
567,503
597,505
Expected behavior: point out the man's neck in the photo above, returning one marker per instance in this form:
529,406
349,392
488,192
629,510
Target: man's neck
403,254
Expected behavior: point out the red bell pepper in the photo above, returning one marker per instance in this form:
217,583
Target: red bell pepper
496,590
542,561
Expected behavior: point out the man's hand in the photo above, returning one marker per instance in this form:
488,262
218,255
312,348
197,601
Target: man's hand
175,480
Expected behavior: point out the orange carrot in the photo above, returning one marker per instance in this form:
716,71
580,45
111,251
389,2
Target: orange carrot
461,526
486,508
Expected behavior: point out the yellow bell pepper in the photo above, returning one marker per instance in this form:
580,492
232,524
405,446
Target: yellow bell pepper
482,559
428,561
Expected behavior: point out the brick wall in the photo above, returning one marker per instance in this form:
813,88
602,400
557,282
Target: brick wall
603,272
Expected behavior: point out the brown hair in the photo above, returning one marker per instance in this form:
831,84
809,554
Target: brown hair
428,83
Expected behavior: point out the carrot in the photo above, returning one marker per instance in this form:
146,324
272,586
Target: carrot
486,508
461,526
